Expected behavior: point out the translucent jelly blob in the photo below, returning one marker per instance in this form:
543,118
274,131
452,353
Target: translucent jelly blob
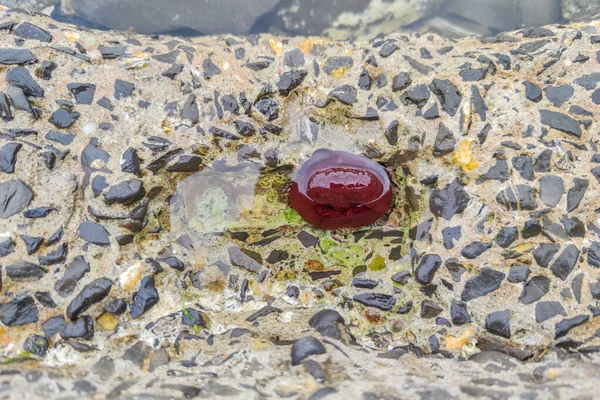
335,189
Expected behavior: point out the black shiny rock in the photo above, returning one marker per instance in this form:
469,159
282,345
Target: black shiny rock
5,111
427,268
521,199
498,323
123,89
36,344
444,141
429,309
82,328
186,163
247,259
486,282
130,162
459,313
306,347
116,306
565,263
76,270
15,195
532,92
545,310
19,311
25,271
62,118
57,256
563,327
448,95
8,157
561,122
17,57
290,80
47,69
448,201
518,273
145,298
534,289
381,301
474,250
92,293
21,78
345,94
417,95
32,243
27,30
94,233
83,92
401,82
126,192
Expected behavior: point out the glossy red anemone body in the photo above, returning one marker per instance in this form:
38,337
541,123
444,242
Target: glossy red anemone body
335,189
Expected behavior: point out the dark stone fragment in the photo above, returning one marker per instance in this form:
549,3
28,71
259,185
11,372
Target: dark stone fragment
47,69
561,122
593,254
576,286
269,107
109,53
429,309
401,82
499,172
388,48
126,192
334,63
551,190
544,253
364,80
92,293
5,111
536,33
542,162
459,313
450,234
449,201
98,185
56,237
32,244
190,110
258,65
130,162
524,164
8,157
444,141
21,78
91,153
244,128
506,236
49,159
427,268
594,290
94,233
576,193
53,325
172,72
163,160
25,271
401,278
230,103
588,82
45,299
345,94
448,95
62,118
381,301
82,328
62,138
478,103
432,113
15,195
57,256
167,58
247,259
173,262
518,273
475,249
391,133
271,158
290,80
558,95
116,306
545,310
565,263
307,239
17,57
522,199
105,103
293,58
124,240
417,66
498,323
123,89
145,298
405,309
455,268
266,310
19,311
417,95
306,347
534,289
486,282
36,344
186,164
473,75
76,270
532,92
574,227
563,327
40,212
83,92
210,69
192,317
532,228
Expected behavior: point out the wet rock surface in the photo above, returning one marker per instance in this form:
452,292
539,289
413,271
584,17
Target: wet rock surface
490,252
